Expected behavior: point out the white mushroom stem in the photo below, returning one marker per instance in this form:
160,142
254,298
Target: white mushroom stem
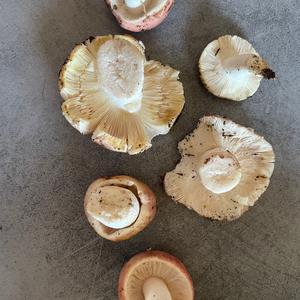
238,65
134,3
219,171
121,73
155,289
113,206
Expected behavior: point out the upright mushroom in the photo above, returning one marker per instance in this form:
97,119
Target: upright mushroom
224,169
231,68
155,275
111,90
138,15
119,207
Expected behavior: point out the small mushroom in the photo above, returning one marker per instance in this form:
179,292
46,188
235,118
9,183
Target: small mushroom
138,15
231,68
111,90
224,169
155,275
119,207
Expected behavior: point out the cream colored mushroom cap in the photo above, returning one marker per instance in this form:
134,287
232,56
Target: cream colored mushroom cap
250,161
119,121
231,68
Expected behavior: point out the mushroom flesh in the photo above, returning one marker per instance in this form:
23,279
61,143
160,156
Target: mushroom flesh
224,169
231,68
155,275
112,91
119,207
138,15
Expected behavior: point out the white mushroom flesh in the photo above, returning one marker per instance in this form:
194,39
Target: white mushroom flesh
113,206
219,171
156,289
134,3
121,73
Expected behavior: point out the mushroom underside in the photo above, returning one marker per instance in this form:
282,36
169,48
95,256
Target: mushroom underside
233,182
120,120
231,68
167,276
146,16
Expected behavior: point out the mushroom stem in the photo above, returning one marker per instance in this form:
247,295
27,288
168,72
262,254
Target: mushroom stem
114,207
248,63
134,3
219,171
155,288
121,73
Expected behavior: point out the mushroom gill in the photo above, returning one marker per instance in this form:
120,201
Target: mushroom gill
224,169
231,68
112,91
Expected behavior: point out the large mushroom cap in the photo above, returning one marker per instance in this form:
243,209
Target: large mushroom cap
138,15
110,90
155,275
231,68
119,207
224,169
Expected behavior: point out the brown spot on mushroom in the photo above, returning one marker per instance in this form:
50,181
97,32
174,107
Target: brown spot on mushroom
268,74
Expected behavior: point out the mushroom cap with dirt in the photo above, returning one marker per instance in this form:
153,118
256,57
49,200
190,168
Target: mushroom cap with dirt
230,68
155,275
138,15
224,169
112,91
119,207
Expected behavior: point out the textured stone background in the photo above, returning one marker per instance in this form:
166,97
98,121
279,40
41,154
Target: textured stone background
47,249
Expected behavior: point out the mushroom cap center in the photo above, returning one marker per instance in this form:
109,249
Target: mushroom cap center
219,171
155,289
134,3
114,207
120,70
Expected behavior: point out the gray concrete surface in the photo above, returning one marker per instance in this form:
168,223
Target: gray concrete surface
47,248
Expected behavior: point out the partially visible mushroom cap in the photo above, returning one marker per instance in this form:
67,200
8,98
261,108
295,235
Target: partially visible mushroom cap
224,169
155,275
138,15
231,68
119,207
110,90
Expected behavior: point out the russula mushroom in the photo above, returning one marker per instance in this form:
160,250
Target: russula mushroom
224,169
138,15
119,207
155,275
231,68
111,90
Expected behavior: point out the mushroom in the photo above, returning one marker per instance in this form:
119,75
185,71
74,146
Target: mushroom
138,15
119,207
231,68
111,90
155,275
224,169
